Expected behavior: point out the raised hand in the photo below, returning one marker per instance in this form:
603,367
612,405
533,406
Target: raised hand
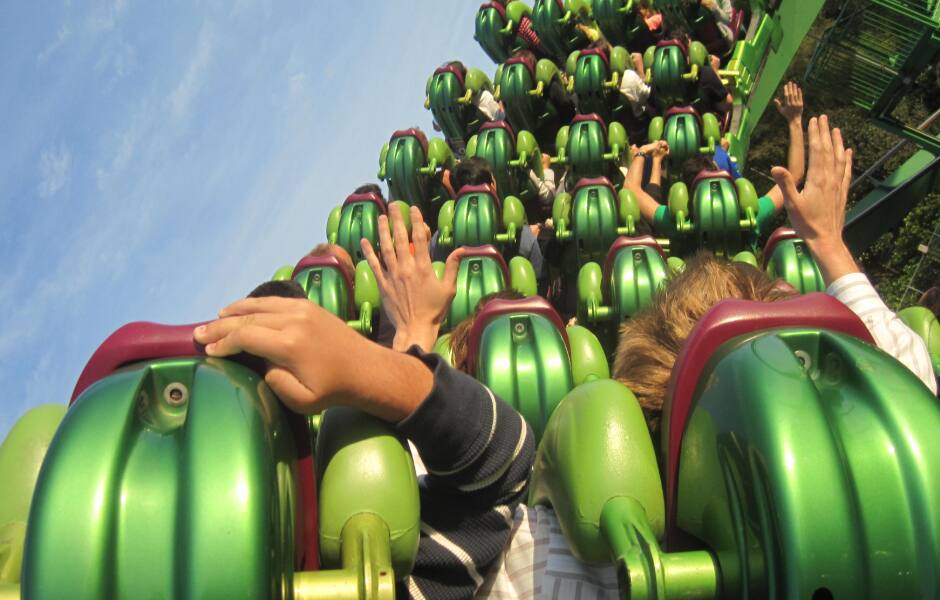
817,213
791,107
415,300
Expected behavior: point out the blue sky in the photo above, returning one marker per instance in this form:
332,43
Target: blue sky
158,160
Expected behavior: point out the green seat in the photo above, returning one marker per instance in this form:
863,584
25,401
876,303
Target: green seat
924,323
522,85
672,68
687,132
595,77
484,271
449,95
787,257
510,156
522,351
411,165
353,297
591,149
555,22
495,29
618,19
478,218
593,216
722,216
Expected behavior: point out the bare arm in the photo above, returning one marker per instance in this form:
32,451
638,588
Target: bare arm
634,181
791,109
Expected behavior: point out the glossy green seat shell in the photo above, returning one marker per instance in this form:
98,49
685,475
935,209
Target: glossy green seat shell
668,67
594,218
523,110
683,133
924,323
586,143
634,273
617,19
444,91
477,276
804,468
359,219
558,35
717,216
21,456
364,467
476,217
326,285
596,447
497,146
591,72
488,31
787,257
404,157
144,493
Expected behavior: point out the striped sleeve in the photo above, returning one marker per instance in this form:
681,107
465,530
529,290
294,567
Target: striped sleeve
890,333
478,453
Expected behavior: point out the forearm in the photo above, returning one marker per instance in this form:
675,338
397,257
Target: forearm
422,335
387,384
796,157
634,183
833,258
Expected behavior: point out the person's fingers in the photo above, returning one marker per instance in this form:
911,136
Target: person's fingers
777,104
847,175
400,238
812,132
452,266
290,390
825,136
838,154
385,244
264,304
784,179
798,94
419,235
369,252
261,341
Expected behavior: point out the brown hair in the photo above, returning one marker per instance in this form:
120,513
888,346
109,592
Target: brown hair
650,341
931,300
460,336
338,252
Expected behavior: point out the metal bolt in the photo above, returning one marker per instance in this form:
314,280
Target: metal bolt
519,328
806,361
175,394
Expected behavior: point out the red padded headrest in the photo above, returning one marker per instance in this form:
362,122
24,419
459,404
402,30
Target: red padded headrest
780,234
495,6
727,320
488,251
311,262
500,125
674,42
450,69
415,133
528,61
624,242
711,175
368,197
590,117
535,305
140,341
591,181
599,52
683,110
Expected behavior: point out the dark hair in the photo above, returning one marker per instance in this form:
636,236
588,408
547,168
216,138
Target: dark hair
456,63
460,337
283,289
678,31
931,299
602,44
471,171
526,55
369,188
695,165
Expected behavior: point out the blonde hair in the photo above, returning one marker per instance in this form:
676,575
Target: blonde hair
460,336
650,341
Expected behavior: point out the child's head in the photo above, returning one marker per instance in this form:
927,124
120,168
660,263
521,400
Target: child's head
337,252
369,188
471,171
651,340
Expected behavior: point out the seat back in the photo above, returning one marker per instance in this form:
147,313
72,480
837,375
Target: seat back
496,143
798,462
727,320
483,271
519,349
587,143
923,322
444,89
191,461
407,153
488,25
717,214
327,284
516,80
557,36
788,257
634,269
359,219
670,63
592,70
683,133
616,20
594,217
477,216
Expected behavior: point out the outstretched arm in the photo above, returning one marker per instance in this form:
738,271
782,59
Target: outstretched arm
818,215
791,109
634,179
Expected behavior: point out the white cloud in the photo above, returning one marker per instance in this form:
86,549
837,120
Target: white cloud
54,166
191,83
106,17
61,37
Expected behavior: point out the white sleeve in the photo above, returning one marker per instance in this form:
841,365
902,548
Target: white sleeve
890,333
545,185
489,106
